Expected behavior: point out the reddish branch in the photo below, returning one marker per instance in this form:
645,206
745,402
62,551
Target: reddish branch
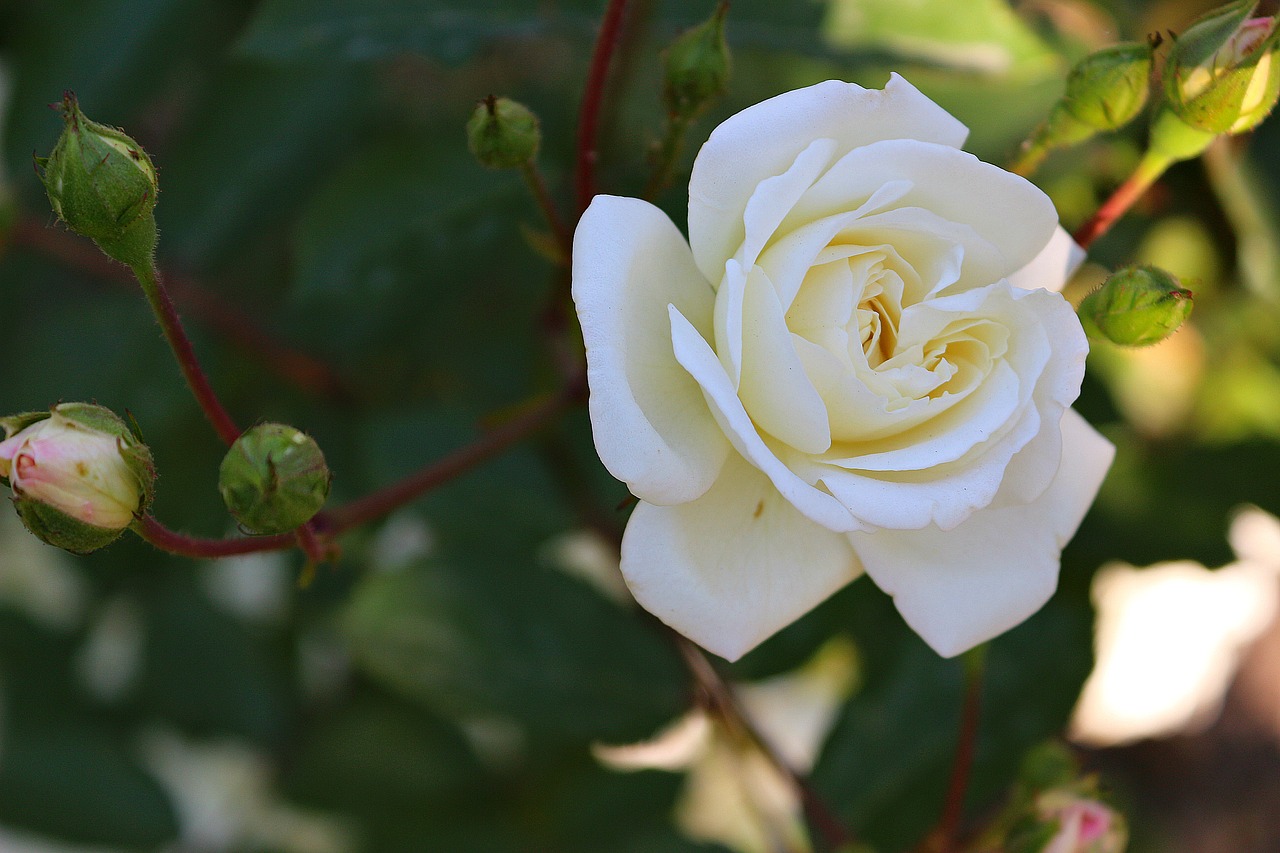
316,535
592,98
299,369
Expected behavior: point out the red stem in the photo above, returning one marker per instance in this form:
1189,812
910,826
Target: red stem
192,546
171,324
297,368
313,536
592,97
492,443
944,836
720,698
1121,200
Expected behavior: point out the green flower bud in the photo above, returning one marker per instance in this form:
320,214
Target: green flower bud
274,478
79,476
102,185
1136,307
697,66
1106,90
1048,765
1221,75
503,134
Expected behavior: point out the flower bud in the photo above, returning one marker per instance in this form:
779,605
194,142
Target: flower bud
1136,307
1105,91
79,476
503,134
274,478
1080,824
697,66
102,185
1221,76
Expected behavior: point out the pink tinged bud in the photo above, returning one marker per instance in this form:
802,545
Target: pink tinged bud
1084,825
75,470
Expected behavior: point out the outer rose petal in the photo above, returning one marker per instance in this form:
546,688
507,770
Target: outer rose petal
1053,267
651,424
963,587
734,566
764,140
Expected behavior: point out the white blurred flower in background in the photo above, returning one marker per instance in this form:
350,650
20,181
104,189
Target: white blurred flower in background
733,794
1170,637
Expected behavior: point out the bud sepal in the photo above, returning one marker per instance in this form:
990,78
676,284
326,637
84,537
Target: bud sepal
1221,74
697,67
274,479
102,184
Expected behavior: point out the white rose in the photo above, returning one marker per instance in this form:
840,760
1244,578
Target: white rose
844,370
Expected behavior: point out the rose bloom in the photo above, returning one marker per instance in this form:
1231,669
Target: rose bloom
74,469
858,362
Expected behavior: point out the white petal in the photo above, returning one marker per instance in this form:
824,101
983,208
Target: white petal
695,355
734,566
1054,266
1005,210
652,427
775,389
764,140
774,197
962,587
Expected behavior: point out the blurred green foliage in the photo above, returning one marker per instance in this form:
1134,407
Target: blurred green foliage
442,694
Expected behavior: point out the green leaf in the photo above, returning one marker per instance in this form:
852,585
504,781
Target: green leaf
361,30
203,670
250,155
78,784
410,263
377,756
887,761
480,639
978,35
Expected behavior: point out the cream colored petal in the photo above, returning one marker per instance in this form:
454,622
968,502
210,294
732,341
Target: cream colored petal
1053,266
775,390
695,355
734,566
962,587
652,427
764,140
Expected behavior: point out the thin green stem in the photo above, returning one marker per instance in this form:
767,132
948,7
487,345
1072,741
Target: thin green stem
171,324
1149,169
1030,155
538,187
667,155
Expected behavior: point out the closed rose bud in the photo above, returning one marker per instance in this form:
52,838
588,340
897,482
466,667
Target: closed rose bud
79,477
274,478
503,134
697,66
102,185
1083,825
1221,75
1136,307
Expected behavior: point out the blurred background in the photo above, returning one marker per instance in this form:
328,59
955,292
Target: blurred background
464,677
